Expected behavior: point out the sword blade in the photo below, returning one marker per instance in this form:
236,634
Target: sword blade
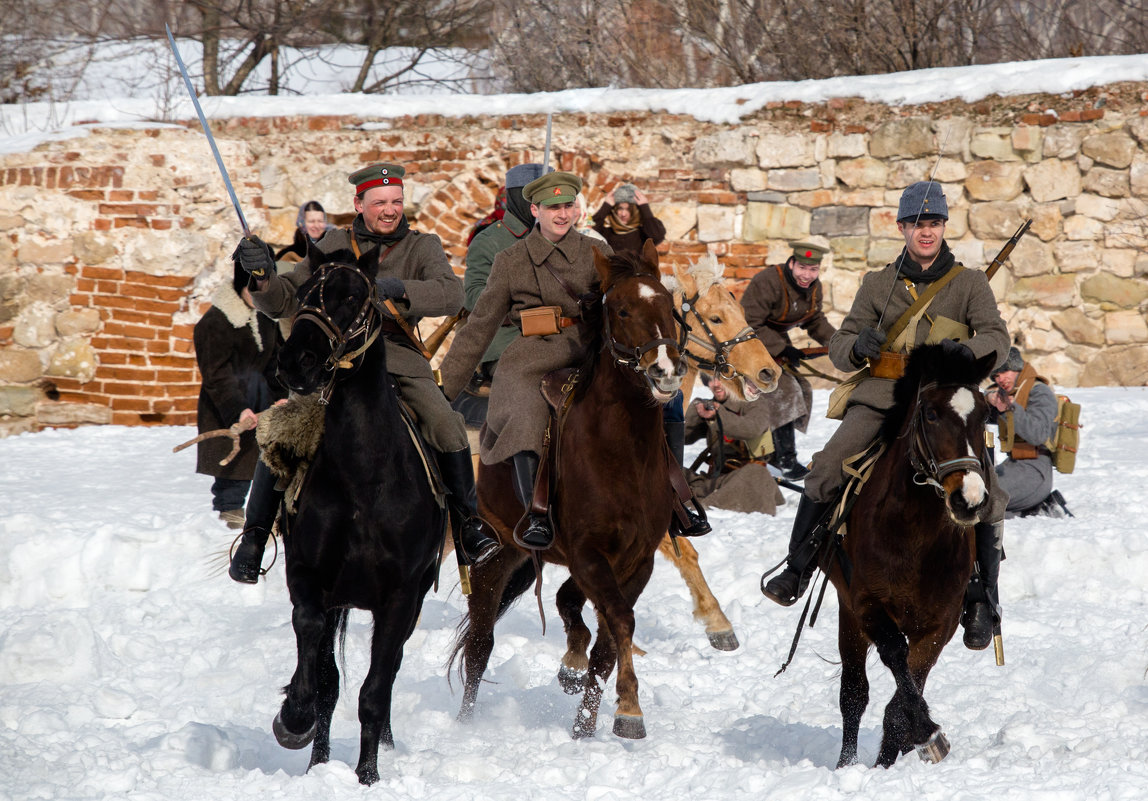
207,132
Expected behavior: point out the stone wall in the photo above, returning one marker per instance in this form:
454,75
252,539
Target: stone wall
112,242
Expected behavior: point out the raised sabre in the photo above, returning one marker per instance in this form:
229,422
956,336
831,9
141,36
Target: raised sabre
207,132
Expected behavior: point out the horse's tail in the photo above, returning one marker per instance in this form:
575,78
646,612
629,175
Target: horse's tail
520,581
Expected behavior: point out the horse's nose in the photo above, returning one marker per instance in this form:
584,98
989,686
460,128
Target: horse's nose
768,378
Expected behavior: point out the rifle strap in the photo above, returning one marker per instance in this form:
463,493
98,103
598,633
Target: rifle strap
919,305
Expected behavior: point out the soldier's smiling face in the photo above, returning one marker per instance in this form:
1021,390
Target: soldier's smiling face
382,208
923,239
555,220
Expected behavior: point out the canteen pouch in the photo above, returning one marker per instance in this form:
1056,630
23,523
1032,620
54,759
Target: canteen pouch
541,321
888,365
839,397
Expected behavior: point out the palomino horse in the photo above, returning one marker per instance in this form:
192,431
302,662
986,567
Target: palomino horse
909,546
612,501
368,528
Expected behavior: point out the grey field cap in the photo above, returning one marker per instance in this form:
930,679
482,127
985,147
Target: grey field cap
522,174
924,200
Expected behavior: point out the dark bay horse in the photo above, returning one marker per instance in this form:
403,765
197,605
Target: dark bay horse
367,529
612,502
909,547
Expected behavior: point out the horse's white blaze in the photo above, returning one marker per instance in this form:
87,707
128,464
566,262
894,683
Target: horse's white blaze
973,488
963,402
664,361
647,292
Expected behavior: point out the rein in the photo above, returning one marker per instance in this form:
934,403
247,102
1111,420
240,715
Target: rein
364,323
720,365
930,471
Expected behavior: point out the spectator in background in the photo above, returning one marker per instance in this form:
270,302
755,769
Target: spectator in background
236,349
625,220
310,226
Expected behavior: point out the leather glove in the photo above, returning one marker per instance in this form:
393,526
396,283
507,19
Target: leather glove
791,354
255,256
868,344
951,348
389,287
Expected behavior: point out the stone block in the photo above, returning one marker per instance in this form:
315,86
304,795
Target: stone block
1125,327
715,223
849,251
992,180
77,321
36,252
679,218
1097,207
969,252
1113,292
1078,328
49,288
18,401
958,224
1110,149
1121,261
35,327
1062,141
833,221
842,286
813,199
1125,366
747,179
7,255
1138,127
74,358
178,252
772,221
951,171
908,171
994,144
1046,220
1028,140
903,138
995,220
1106,182
952,135
92,247
1080,227
883,223
1075,257
883,251
794,180
1049,291
1052,179
1031,257
54,413
1138,176
785,150
731,148
844,146
766,197
1036,339
19,366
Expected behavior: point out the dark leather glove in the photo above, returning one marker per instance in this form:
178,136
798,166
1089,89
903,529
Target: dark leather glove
255,256
791,354
868,344
390,288
951,348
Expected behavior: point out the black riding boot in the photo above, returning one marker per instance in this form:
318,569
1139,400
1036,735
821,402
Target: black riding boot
785,454
538,535
676,438
262,506
789,585
457,471
982,601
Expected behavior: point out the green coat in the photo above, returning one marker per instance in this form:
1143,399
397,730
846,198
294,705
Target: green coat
491,241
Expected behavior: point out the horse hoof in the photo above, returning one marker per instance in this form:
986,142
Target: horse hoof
583,730
369,777
288,738
629,726
723,640
935,748
573,681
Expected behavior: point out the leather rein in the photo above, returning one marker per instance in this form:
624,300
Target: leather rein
720,365
365,323
631,357
922,456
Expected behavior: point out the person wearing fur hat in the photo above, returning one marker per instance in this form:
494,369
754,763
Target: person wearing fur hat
413,273
963,316
625,220
310,226
1023,406
779,298
236,350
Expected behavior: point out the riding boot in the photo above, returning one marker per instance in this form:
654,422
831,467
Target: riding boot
262,507
457,469
789,585
676,439
538,535
785,454
982,600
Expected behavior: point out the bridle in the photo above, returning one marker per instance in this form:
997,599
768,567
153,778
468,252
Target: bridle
922,456
365,323
720,365
631,357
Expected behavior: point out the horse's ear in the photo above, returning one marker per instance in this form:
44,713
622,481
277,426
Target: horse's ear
368,263
602,265
983,366
650,257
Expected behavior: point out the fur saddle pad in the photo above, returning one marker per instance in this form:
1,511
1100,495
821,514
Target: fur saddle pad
288,437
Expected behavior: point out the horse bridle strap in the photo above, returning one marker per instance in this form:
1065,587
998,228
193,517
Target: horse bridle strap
632,356
923,458
720,365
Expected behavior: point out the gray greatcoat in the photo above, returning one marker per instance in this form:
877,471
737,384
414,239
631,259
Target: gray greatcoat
432,290
1029,481
967,300
519,279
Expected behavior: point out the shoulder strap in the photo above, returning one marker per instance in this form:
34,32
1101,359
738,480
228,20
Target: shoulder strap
921,303
562,282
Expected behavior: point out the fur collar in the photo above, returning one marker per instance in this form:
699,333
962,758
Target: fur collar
238,313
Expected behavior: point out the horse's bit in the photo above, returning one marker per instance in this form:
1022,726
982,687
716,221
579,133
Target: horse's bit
632,357
369,313
922,456
720,366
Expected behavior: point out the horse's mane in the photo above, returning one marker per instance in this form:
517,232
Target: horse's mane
929,363
705,271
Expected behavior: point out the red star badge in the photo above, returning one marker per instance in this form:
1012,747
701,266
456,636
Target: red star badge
558,190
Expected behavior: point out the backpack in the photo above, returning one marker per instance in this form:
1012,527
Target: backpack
1063,443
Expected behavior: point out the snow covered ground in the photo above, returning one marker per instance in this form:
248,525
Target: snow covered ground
131,667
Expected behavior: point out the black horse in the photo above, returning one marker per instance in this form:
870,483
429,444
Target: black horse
367,529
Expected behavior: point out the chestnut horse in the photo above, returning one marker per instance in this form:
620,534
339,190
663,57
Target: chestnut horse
612,499
368,527
909,546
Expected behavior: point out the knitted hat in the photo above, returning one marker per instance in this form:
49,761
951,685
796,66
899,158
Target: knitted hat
553,188
1014,362
377,175
523,174
924,200
626,193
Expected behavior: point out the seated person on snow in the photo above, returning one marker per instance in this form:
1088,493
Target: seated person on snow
1023,406
736,433
552,266
782,297
414,273
964,307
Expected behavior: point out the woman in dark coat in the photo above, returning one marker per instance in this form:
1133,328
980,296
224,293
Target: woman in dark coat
236,349
310,226
625,220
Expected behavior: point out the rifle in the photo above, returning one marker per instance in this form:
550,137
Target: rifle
439,335
1006,251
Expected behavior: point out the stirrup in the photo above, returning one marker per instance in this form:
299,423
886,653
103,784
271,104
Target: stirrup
536,535
476,546
787,587
979,622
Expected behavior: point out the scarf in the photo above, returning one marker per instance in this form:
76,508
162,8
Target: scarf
621,228
519,206
918,275
359,228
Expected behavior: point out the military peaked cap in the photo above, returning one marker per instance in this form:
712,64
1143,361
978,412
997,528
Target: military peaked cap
808,252
377,175
553,188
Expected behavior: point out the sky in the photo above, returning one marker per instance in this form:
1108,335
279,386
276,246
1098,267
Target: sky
132,667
